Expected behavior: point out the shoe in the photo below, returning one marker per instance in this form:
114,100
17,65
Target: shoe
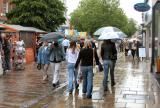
105,88
113,84
45,77
57,83
70,92
89,97
54,85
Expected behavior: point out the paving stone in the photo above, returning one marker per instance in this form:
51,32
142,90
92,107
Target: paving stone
134,105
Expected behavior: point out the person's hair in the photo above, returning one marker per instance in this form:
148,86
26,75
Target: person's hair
87,44
107,42
56,44
73,45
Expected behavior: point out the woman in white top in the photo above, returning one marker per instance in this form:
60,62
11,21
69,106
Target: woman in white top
71,56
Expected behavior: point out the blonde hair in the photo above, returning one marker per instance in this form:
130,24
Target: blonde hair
87,44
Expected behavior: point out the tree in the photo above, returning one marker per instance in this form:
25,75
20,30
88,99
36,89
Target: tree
130,27
42,14
94,14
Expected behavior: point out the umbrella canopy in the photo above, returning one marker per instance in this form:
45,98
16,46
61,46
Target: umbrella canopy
112,35
106,30
52,36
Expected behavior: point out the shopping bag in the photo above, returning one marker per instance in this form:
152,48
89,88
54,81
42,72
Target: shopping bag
79,76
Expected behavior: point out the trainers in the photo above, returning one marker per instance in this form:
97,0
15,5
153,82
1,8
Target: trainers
45,77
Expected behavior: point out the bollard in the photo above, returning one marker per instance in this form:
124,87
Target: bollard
158,65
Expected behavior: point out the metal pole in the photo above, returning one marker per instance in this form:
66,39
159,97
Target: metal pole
153,39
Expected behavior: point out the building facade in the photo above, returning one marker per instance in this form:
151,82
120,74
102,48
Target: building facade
155,34
5,7
152,25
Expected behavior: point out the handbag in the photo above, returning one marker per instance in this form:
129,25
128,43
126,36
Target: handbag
39,66
100,67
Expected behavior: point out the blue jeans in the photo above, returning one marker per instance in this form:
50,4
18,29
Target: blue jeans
107,65
87,73
113,63
72,76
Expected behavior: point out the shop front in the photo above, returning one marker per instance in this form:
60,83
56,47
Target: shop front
155,36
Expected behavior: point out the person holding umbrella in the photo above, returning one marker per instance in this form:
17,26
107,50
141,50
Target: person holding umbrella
109,57
56,57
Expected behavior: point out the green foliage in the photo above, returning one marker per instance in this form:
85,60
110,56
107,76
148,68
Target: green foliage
94,14
130,27
42,14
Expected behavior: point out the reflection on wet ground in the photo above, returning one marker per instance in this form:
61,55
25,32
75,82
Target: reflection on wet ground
135,88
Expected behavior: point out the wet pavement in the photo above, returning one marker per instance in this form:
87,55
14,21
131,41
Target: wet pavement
135,87
21,89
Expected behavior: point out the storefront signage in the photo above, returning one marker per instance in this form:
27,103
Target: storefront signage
142,52
141,7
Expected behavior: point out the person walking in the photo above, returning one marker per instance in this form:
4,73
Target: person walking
71,56
7,52
43,59
65,44
126,47
56,57
113,63
86,58
109,57
133,49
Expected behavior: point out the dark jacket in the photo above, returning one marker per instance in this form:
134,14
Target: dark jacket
109,52
56,54
86,57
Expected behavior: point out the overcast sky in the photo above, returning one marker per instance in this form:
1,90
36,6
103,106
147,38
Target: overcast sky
126,5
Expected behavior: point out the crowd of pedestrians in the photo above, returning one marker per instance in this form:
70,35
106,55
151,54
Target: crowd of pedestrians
9,53
132,48
79,60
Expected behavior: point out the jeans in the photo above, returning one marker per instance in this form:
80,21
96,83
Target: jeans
7,61
72,76
107,66
87,73
113,63
55,69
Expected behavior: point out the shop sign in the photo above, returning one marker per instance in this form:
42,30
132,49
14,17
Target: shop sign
141,7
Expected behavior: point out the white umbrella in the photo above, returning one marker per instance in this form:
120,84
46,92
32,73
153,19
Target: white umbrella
106,30
112,35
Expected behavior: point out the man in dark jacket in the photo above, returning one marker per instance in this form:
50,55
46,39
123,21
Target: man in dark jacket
109,57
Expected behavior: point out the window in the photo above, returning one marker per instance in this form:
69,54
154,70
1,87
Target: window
5,7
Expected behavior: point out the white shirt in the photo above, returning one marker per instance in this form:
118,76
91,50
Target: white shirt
72,57
65,42
20,43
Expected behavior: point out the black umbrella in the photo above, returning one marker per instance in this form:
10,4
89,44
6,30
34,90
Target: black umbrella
52,36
